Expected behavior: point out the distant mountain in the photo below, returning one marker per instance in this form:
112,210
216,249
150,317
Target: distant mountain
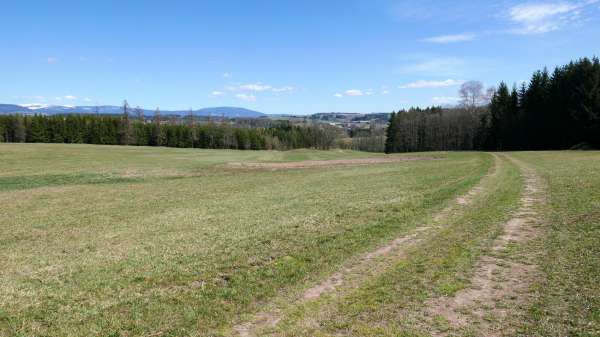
229,112
8,108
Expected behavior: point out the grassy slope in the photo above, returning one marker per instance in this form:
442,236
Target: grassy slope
392,304
138,241
568,301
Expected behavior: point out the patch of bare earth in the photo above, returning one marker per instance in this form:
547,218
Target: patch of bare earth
324,163
500,286
356,272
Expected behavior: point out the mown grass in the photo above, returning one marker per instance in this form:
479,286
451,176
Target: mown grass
393,303
146,254
568,298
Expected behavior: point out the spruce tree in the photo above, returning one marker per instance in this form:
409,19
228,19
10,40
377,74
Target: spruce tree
391,134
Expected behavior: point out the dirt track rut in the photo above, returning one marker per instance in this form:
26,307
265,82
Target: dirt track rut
354,274
500,284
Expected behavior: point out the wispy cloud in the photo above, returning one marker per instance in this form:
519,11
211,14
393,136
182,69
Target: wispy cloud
454,38
34,106
227,75
52,60
256,87
432,84
354,92
544,17
217,93
70,97
87,99
246,97
361,92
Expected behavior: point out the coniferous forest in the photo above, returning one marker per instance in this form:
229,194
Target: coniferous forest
557,110
125,130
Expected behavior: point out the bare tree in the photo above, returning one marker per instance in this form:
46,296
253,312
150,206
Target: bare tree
139,112
191,117
471,94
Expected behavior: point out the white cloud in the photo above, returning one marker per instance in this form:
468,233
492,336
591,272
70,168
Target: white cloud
70,97
445,39
217,93
544,17
256,87
354,92
227,75
385,92
338,95
87,99
246,97
432,84
52,60
34,106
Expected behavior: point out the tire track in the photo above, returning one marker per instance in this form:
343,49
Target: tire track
500,284
363,267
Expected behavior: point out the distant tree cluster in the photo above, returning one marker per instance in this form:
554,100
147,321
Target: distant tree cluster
554,111
125,130
432,129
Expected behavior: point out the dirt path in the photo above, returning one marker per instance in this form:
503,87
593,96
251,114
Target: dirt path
325,163
362,267
500,284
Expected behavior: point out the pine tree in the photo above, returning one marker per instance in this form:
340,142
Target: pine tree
391,134
155,139
124,133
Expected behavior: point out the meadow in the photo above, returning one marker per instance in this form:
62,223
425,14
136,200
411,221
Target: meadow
150,241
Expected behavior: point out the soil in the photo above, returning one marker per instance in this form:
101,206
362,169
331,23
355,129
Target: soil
500,284
323,163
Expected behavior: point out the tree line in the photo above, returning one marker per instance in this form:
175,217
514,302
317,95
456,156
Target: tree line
551,111
172,132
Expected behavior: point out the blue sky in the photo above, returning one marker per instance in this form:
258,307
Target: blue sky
282,56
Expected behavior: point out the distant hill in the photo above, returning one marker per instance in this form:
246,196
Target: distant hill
8,108
230,112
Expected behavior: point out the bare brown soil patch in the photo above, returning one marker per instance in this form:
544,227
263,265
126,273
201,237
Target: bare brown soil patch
500,284
325,163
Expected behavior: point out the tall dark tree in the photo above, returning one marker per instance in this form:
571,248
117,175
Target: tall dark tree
125,127
392,129
155,139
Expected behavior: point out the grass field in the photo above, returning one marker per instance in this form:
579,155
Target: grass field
132,241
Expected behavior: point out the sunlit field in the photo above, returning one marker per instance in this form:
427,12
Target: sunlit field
140,241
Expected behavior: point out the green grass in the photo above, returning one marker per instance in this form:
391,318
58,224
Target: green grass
185,256
568,299
134,241
392,303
